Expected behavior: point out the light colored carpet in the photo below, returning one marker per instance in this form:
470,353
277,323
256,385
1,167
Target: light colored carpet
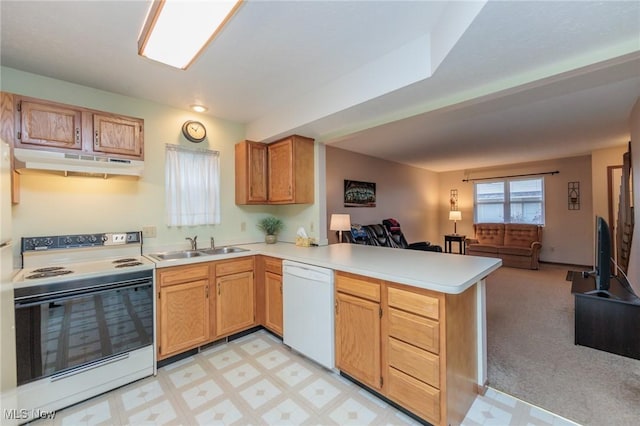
531,354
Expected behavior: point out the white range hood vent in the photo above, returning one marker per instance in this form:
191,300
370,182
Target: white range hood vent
36,159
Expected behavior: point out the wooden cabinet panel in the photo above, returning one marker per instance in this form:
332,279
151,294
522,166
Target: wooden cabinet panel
273,301
356,285
234,266
235,303
181,274
281,183
409,301
251,173
415,395
48,124
183,317
415,362
117,135
358,339
273,265
413,329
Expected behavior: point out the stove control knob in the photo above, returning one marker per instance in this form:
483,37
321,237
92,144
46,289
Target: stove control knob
92,238
67,240
81,239
48,241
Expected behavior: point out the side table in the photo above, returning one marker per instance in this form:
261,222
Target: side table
449,238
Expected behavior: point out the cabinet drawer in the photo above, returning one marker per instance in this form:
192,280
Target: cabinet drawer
412,302
415,362
413,329
273,265
367,288
418,397
234,266
181,274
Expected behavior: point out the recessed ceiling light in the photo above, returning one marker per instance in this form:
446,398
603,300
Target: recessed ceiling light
199,108
176,32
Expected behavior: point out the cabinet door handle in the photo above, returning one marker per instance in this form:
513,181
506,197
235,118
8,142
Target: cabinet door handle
218,289
77,134
207,292
280,288
96,138
336,307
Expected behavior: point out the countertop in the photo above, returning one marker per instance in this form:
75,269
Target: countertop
443,272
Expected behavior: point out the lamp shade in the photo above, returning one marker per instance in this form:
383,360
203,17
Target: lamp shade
340,222
455,215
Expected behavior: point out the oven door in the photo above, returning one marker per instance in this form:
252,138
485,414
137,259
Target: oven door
72,324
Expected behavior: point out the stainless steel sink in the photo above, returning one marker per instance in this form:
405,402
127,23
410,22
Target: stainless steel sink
222,250
174,255
187,254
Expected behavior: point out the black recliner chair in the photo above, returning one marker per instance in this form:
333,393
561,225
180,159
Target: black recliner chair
395,233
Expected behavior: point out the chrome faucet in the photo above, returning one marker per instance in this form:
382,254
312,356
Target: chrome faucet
213,243
194,242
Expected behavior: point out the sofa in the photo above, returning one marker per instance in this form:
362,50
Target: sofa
518,245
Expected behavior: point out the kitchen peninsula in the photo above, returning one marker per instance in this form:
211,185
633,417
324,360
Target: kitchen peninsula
410,325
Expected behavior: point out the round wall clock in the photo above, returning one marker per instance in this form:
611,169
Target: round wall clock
194,131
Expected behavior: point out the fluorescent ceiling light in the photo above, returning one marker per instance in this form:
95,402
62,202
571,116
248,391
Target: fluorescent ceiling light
177,31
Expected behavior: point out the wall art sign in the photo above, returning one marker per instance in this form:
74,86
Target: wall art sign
359,194
573,189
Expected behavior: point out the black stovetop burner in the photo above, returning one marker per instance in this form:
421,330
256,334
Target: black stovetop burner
127,265
52,271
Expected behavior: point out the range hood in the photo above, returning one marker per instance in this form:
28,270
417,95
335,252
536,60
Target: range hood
36,159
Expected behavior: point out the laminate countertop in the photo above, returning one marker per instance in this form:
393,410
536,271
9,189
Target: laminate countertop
443,272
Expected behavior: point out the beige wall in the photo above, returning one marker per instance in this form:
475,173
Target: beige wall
52,204
568,234
634,262
405,193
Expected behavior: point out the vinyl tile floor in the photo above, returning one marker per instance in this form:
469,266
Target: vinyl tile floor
256,380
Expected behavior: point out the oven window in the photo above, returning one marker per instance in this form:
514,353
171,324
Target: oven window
60,334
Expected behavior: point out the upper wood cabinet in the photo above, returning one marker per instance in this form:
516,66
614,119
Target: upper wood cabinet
277,173
290,167
251,173
48,124
41,124
113,134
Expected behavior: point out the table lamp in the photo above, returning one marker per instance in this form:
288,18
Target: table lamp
340,222
455,215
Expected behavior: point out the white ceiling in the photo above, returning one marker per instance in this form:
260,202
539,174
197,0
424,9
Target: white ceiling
441,85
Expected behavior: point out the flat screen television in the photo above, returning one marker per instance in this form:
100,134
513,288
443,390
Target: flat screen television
603,255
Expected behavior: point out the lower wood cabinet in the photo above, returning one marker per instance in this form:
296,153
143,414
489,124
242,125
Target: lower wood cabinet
183,315
416,347
273,295
235,296
200,303
357,326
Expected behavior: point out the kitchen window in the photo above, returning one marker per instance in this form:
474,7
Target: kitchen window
509,201
192,186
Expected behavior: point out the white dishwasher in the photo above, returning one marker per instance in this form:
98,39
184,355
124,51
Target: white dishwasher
307,299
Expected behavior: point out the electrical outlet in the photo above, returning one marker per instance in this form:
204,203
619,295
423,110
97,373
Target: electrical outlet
243,226
149,232
311,227
119,238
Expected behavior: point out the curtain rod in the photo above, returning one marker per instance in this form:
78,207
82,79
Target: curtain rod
175,147
510,176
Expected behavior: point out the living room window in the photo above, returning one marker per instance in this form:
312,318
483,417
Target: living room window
509,201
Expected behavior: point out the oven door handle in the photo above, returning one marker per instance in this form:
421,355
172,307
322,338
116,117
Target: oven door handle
39,299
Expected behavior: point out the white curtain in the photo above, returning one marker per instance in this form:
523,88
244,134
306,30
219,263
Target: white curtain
192,186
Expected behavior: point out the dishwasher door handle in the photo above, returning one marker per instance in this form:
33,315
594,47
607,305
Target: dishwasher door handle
308,274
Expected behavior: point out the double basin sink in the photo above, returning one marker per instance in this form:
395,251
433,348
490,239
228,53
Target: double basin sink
188,254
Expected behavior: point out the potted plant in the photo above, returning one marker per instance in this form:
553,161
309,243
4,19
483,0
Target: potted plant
270,225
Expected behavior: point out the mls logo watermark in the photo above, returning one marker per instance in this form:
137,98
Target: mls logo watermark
25,414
